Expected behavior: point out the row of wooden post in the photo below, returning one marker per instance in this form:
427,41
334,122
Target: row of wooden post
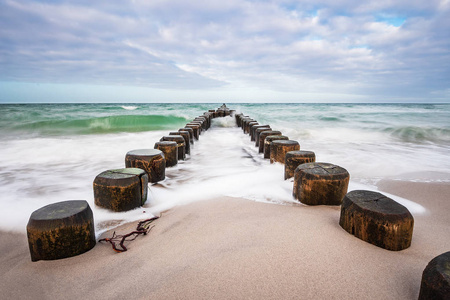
368,215
66,228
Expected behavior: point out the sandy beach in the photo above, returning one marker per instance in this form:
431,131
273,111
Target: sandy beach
231,248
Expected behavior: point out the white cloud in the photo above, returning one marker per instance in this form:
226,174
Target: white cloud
279,46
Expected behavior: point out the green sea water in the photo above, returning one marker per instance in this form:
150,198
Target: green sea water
414,123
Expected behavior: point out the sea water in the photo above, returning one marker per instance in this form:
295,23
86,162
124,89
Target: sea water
52,152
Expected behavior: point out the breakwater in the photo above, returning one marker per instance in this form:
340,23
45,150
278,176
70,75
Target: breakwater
125,189
60,163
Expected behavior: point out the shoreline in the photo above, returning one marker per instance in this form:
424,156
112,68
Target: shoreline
238,248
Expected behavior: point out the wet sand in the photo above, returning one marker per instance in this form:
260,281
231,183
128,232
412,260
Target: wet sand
231,248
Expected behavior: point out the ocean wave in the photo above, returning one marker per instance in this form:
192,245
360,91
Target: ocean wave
129,107
415,134
99,125
330,119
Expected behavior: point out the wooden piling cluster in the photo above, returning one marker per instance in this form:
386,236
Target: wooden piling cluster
369,216
66,228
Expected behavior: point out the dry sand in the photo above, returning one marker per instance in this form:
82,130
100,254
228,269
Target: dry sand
232,248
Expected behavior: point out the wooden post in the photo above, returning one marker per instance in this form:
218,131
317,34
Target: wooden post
436,279
151,161
180,144
251,127
249,124
262,138
377,219
258,132
279,148
253,131
191,133
170,150
269,139
202,122
185,135
296,158
199,123
238,119
196,129
245,124
320,184
60,230
121,189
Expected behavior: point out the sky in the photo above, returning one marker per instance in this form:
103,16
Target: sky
225,51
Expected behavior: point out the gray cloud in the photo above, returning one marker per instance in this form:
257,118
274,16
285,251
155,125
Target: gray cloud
283,46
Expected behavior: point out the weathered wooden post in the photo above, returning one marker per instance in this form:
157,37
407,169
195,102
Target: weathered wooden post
253,131
60,230
248,126
251,127
296,158
180,144
269,139
238,118
196,129
199,123
279,148
191,133
258,132
207,116
121,189
185,135
244,122
262,138
151,161
202,122
436,279
170,150
377,219
320,184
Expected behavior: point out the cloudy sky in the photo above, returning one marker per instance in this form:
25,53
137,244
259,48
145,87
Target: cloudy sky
227,50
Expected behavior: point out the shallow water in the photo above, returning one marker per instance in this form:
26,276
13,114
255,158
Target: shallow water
50,153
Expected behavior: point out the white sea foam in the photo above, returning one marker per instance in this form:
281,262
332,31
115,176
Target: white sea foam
39,171
129,107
